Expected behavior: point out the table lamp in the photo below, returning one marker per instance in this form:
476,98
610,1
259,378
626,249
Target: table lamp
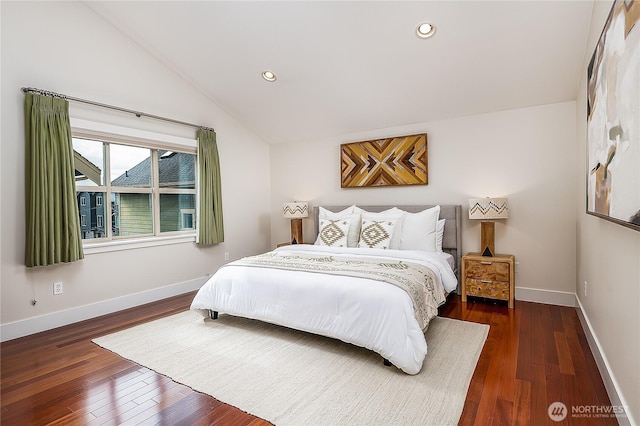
296,211
488,209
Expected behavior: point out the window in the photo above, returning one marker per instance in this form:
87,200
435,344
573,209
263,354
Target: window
187,218
142,187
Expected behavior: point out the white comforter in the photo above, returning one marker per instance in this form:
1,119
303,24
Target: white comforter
381,318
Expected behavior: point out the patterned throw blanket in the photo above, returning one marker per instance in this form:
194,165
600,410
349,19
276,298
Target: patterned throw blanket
418,281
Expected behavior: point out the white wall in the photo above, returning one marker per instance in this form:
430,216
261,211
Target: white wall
526,154
608,259
67,48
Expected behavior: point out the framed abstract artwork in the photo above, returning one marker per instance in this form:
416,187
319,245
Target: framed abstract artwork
613,119
399,160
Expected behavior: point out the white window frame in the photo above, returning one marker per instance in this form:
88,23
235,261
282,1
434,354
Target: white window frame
98,200
83,220
140,138
83,201
99,221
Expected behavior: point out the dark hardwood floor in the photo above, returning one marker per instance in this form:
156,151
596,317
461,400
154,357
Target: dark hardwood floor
535,355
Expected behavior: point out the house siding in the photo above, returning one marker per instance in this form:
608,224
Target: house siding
135,214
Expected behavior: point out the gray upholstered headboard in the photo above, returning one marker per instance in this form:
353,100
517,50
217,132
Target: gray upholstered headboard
452,241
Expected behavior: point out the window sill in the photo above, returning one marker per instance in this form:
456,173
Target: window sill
119,245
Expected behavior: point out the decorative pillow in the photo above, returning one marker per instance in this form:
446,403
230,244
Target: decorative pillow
394,215
439,234
376,234
333,232
419,230
351,213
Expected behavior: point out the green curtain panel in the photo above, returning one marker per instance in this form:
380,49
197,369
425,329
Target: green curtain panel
52,224
211,227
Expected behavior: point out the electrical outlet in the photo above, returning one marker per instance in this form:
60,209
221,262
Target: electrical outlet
58,288
585,289
226,255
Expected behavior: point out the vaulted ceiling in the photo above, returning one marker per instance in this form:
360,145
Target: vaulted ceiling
345,67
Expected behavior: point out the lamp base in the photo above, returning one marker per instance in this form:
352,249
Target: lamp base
487,252
487,237
296,231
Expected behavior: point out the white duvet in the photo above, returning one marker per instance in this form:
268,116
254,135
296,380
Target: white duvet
364,312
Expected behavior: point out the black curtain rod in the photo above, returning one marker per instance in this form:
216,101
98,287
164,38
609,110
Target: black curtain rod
130,111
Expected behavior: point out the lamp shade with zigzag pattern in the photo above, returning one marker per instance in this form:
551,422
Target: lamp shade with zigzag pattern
295,210
488,208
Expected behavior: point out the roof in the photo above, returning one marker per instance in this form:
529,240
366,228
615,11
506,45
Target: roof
176,169
85,169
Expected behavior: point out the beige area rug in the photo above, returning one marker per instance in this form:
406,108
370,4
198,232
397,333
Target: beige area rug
293,378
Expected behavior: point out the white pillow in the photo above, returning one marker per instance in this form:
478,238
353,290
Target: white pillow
394,215
333,232
439,234
352,213
376,234
419,230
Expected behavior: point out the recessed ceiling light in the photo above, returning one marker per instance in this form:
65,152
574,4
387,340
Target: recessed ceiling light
425,30
269,76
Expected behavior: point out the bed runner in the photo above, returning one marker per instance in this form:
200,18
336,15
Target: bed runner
417,280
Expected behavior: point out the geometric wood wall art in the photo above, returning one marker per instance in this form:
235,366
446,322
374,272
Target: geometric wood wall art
400,160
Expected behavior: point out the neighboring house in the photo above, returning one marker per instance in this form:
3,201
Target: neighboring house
90,204
177,211
91,210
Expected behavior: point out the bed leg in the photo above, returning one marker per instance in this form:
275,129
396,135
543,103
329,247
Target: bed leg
386,362
213,314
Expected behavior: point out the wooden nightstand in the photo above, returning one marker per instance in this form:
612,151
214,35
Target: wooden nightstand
490,277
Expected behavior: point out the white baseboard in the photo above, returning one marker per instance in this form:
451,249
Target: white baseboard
549,297
45,322
610,382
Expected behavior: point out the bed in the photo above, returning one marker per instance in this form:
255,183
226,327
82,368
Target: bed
367,296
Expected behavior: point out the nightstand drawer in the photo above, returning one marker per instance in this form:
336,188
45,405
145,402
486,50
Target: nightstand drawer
488,277
487,288
487,270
